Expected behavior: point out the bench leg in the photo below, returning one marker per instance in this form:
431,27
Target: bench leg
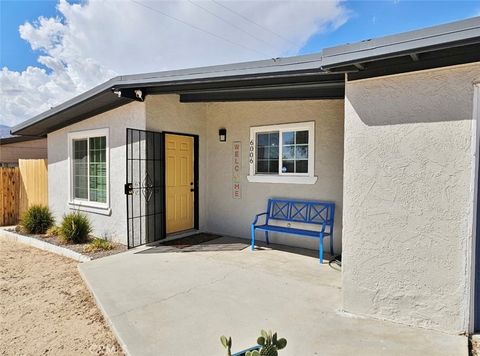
253,237
331,244
320,249
266,238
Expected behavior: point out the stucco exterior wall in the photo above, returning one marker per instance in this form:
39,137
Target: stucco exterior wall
234,216
218,211
166,113
113,223
408,197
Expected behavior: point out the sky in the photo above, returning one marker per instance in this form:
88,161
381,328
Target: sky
52,50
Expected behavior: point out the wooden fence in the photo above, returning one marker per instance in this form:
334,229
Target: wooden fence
22,187
34,183
9,191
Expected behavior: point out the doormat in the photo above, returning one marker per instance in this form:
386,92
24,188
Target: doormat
190,240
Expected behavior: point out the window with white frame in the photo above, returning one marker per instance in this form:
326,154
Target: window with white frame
282,153
89,167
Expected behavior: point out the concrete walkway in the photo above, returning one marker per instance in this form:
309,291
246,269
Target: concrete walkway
162,302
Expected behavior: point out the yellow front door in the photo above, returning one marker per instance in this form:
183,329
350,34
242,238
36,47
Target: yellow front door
179,182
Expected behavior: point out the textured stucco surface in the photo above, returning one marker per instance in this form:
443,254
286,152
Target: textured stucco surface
118,120
408,198
234,216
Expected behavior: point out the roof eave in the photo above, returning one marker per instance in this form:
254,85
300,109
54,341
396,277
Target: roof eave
440,37
165,86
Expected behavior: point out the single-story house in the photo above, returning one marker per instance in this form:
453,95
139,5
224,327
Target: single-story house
387,129
14,148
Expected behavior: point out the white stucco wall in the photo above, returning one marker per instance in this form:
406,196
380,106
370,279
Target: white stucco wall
118,120
408,197
234,216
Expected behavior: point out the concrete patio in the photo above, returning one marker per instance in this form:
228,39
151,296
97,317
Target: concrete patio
160,301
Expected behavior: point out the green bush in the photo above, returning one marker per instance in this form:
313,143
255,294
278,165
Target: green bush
37,219
75,228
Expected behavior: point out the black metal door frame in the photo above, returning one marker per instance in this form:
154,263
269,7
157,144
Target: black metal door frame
145,186
195,174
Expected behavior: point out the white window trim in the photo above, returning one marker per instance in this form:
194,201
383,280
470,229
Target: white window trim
80,204
292,178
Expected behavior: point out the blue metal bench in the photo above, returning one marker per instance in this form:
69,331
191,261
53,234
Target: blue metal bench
317,213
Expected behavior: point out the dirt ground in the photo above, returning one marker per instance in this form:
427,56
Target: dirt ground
45,308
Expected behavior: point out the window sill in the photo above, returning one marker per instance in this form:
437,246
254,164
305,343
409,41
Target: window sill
282,179
90,208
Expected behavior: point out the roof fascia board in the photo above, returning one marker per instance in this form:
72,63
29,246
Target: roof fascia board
434,38
67,104
223,77
224,70
229,81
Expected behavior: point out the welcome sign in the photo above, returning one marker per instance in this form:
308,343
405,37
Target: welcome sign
237,170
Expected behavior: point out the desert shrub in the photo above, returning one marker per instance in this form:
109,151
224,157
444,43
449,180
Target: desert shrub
98,245
53,231
37,219
75,228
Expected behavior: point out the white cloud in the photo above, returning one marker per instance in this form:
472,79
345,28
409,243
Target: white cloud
93,41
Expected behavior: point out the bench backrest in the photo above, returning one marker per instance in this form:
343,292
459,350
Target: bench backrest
302,211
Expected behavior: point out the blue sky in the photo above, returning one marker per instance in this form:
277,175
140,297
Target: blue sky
16,53
378,18
369,19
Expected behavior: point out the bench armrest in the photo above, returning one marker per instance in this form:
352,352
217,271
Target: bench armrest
256,218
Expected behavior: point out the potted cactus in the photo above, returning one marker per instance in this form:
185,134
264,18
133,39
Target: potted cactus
268,345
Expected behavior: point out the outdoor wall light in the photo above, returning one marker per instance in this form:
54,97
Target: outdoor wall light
222,135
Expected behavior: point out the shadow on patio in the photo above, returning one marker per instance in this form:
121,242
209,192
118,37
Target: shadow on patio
180,303
204,242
